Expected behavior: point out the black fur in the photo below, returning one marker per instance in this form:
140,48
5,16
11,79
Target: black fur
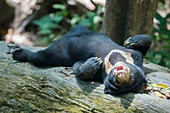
86,51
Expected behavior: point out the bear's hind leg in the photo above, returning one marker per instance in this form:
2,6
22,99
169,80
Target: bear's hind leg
86,70
43,58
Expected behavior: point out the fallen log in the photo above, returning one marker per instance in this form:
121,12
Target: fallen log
25,88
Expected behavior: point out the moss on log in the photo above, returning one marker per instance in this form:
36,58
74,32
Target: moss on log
25,88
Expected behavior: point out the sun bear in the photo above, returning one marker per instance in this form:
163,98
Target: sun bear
95,57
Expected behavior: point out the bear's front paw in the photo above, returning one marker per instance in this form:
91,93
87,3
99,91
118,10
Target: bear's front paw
87,69
91,65
20,55
132,42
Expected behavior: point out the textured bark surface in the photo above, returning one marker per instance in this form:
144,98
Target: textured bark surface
25,88
124,18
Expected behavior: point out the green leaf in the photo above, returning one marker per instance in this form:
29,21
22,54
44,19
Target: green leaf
57,17
90,14
97,19
75,20
44,32
159,17
59,6
157,58
85,22
42,20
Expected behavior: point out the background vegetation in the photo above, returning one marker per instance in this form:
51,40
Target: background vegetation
159,53
50,26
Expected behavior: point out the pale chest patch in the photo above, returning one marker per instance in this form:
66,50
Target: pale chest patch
109,66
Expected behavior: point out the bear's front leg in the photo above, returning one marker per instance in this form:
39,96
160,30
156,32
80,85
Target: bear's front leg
86,70
140,43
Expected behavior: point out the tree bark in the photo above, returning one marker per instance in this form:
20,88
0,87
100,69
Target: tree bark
125,18
25,88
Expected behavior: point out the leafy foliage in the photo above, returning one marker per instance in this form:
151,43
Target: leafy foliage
91,19
160,52
50,23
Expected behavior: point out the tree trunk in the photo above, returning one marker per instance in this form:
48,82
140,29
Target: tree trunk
25,88
124,18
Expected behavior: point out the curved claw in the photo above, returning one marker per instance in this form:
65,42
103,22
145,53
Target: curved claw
131,42
87,69
12,48
91,65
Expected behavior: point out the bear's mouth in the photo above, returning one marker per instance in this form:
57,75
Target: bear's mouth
121,72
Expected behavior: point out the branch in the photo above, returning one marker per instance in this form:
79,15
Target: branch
25,88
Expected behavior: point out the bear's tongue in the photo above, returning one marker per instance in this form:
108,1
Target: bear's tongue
119,68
